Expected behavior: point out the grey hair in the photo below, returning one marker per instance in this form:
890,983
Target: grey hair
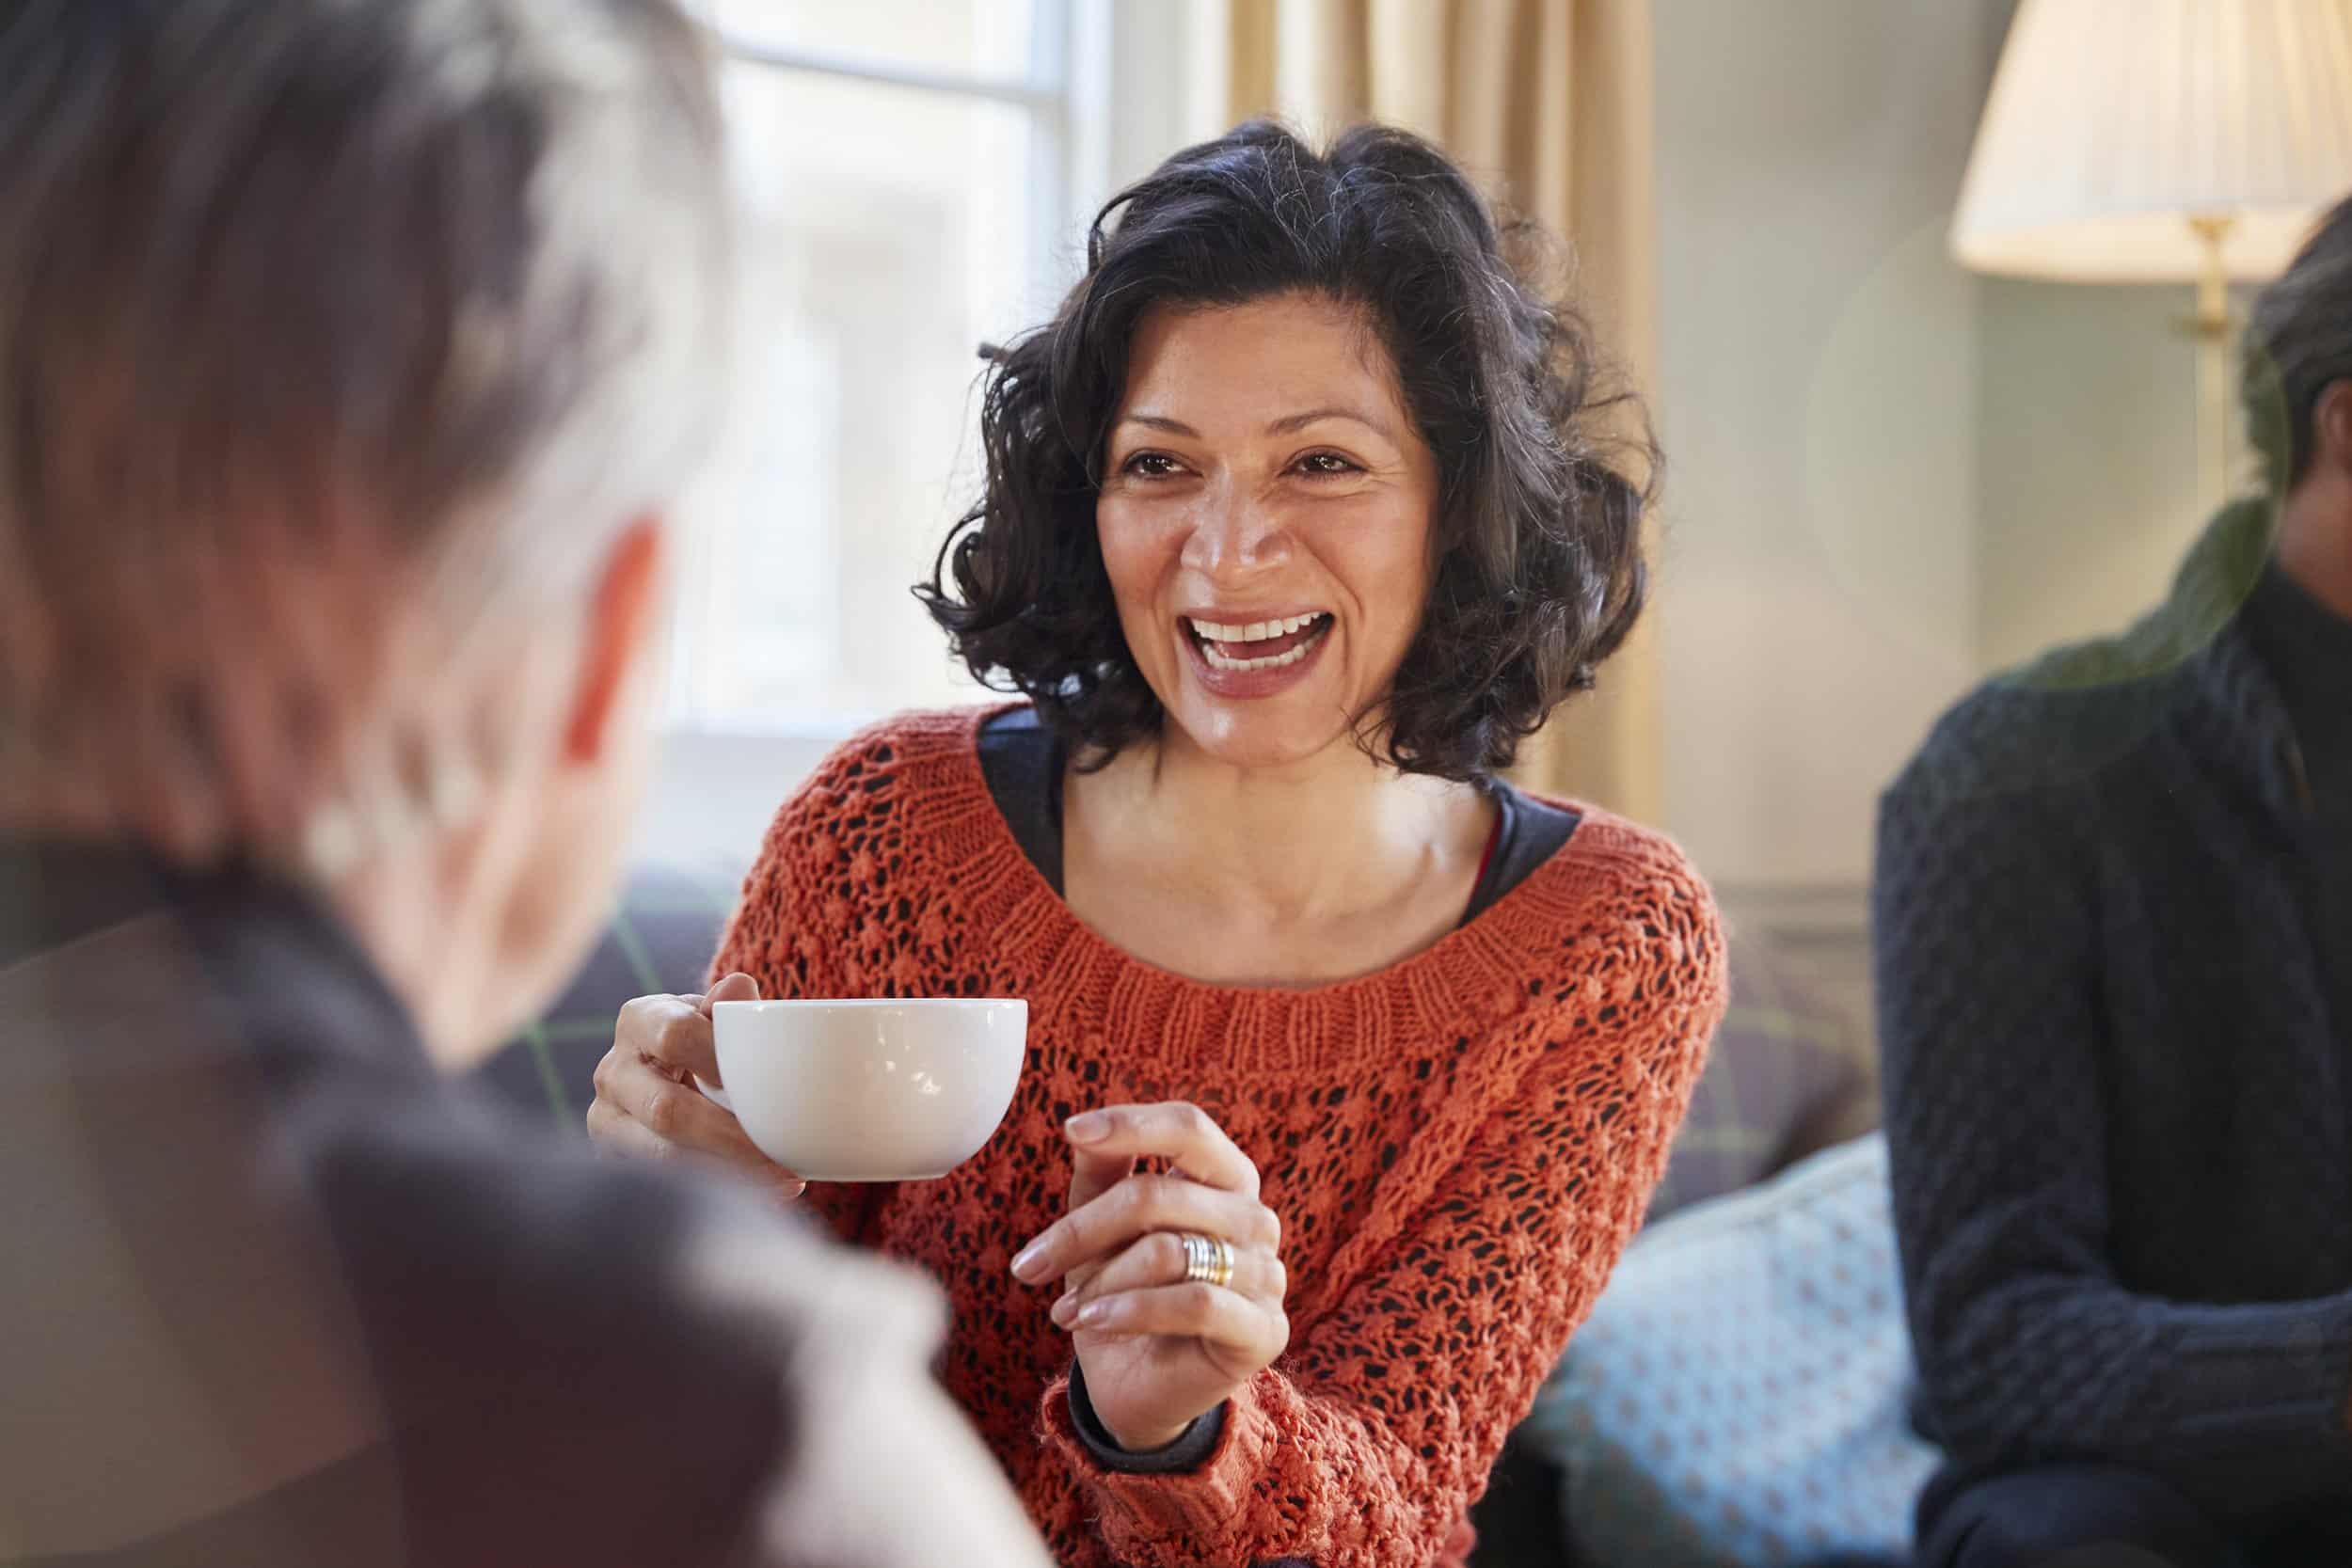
2298,342
436,286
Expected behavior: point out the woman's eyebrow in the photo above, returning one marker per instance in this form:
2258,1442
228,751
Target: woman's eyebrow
1291,422
1161,421
1287,425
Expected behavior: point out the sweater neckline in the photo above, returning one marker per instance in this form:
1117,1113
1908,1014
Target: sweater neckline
2306,649
1476,975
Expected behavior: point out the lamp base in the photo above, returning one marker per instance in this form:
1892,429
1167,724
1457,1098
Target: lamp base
2212,327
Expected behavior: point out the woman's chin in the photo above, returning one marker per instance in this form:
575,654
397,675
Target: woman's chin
1261,734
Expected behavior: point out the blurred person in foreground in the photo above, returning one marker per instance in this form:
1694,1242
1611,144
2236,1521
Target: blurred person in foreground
2114,920
1351,1066
350,355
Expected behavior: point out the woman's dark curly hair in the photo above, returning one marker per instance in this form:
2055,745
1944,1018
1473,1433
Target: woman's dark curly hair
1538,572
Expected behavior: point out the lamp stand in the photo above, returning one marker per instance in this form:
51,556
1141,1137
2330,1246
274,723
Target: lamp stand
2211,328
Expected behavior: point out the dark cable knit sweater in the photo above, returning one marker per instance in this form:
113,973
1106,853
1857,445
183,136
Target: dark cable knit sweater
2118,1092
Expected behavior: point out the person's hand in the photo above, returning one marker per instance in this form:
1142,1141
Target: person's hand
646,1102
1158,1351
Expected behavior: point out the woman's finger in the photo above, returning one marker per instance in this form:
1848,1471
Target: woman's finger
1178,1132
1159,1258
1136,1208
672,1031
1091,1174
1255,1330
612,1131
1090,1178
672,1112
616,1131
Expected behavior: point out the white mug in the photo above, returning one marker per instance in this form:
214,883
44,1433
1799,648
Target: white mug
881,1090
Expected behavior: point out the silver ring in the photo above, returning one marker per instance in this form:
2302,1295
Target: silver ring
1208,1259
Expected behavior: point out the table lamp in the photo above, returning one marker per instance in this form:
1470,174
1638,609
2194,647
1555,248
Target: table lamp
2163,141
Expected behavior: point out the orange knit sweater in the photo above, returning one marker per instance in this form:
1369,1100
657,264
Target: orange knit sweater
1458,1148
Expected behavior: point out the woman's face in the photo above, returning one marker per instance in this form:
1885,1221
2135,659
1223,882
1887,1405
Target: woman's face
1265,518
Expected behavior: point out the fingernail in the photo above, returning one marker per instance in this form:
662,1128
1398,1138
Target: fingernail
1064,1309
1090,1128
1092,1312
794,1189
1030,1263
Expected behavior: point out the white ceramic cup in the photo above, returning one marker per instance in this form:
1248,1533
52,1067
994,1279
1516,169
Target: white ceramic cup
869,1090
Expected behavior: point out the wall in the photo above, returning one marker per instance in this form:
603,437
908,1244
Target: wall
1889,479
1818,397
2086,473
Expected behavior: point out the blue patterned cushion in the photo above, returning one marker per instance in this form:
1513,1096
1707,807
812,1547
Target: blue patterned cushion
1738,1397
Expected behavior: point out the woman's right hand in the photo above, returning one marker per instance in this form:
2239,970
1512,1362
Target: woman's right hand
646,1103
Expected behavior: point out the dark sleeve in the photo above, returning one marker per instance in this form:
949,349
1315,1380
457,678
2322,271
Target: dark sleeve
525,1331
1198,1442
2028,1347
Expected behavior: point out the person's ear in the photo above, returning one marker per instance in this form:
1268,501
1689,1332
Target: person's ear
2331,427
624,613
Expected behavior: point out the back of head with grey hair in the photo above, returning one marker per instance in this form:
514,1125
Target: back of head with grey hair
428,286
2298,342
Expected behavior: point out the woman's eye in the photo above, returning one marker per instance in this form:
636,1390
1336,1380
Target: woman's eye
1151,465
1326,465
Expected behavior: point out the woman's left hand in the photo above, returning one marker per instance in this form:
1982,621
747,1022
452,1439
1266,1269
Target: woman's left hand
1159,1351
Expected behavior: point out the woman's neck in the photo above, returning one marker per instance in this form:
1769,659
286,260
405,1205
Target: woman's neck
1326,837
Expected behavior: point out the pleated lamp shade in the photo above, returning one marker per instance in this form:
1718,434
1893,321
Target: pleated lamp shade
2114,123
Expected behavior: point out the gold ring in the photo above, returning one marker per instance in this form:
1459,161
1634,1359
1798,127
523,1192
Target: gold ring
1208,1259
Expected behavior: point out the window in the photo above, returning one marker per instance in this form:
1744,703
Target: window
905,173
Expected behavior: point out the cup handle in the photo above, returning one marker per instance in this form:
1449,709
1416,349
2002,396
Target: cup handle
713,1093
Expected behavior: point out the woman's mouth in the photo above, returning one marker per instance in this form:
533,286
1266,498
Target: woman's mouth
1257,645
1240,660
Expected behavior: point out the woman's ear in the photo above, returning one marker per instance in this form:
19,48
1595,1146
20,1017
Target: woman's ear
624,612
2331,427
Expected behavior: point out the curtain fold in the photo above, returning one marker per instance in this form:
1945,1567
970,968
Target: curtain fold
1548,104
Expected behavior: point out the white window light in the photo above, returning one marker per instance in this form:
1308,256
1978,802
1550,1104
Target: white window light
912,177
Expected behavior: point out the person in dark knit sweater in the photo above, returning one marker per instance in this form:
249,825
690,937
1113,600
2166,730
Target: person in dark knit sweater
2114,950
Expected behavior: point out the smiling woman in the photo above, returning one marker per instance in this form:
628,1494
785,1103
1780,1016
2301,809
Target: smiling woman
1351,1068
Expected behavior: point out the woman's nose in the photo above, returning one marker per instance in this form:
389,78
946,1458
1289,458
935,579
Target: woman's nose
1235,532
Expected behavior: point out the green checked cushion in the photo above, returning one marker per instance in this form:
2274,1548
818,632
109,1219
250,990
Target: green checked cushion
1780,1065
660,939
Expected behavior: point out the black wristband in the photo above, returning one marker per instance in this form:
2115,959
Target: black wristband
1186,1452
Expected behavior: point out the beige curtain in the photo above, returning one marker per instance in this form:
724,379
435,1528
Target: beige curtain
1549,102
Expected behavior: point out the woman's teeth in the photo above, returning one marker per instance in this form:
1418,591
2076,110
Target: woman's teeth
1218,661
1254,631
1217,639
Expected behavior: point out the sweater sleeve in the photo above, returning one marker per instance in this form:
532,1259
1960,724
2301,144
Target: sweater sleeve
1366,1444
2028,1347
776,936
